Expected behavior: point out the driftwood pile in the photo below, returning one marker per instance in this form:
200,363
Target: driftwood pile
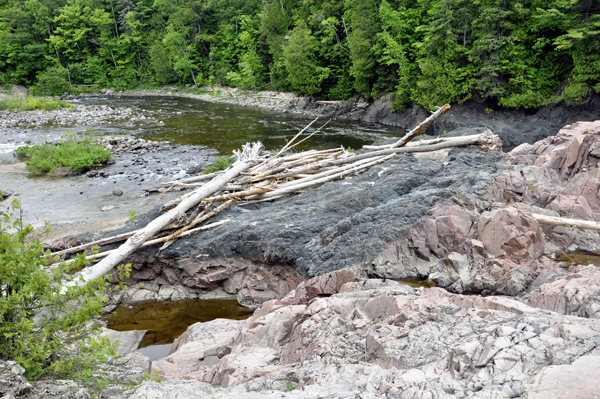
258,175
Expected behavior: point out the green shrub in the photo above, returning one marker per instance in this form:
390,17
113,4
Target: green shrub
33,103
220,163
44,325
53,82
77,155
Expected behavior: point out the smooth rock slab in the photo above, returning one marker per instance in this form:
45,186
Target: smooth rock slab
579,380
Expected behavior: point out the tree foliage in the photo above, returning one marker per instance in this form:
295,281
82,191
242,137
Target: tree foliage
512,53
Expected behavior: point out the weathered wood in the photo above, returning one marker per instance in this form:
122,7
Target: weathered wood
160,240
195,179
275,171
201,218
237,195
104,241
328,172
422,126
480,139
309,136
143,235
309,183
565,222
422,142
328,102
179,187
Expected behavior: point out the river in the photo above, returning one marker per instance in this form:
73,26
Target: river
210,128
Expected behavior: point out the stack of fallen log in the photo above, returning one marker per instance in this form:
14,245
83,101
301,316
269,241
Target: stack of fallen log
258,175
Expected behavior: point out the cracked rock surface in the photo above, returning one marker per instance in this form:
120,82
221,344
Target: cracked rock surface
382,339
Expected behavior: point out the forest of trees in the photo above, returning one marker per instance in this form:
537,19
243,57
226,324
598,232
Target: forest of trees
511,53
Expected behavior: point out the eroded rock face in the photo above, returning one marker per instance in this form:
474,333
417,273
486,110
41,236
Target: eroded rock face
252,283
385,339
492,244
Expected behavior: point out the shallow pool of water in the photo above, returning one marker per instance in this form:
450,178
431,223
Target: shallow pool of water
578,258
166,321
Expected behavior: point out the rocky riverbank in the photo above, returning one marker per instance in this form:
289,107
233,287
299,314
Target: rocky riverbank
529,326
516,310
105,193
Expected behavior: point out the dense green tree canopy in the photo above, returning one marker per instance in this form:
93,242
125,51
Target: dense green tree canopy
512,53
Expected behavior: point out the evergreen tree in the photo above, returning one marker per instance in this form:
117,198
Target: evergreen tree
363,61
304,75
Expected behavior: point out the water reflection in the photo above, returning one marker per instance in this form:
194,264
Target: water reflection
226,127
166,321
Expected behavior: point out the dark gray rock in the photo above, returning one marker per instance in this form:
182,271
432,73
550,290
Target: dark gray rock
344,223
381,112
513,126
5,193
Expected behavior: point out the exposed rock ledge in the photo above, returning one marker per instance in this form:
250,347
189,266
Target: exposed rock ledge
463,222
381,339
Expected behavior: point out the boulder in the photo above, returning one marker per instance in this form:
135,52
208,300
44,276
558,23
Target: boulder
330,283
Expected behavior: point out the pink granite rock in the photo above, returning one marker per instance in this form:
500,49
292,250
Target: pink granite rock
330,283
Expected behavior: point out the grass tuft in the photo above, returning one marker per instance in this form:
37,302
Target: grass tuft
77,154
220,163
33,103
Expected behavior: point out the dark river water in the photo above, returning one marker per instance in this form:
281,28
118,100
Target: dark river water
226,127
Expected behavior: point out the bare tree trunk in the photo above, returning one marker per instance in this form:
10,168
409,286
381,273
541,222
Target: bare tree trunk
143,235
422,126
556,221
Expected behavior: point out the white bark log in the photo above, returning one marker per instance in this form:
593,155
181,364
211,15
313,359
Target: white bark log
484,139
156,241
143,235
565,222
422,126
341,174
155,187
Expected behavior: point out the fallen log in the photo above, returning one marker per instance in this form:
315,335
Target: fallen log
245,160
565,222
484,139
195,179
422,142
328,102
179,187
293,188
238,195
102,255
201,218
422,126
83,247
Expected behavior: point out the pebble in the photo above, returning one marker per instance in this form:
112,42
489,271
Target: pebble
117,192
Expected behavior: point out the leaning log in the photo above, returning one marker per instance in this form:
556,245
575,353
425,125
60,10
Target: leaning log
143,235
422,126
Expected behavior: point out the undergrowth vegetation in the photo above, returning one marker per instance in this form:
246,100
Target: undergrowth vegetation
33,103
45,324
220,163
76,154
